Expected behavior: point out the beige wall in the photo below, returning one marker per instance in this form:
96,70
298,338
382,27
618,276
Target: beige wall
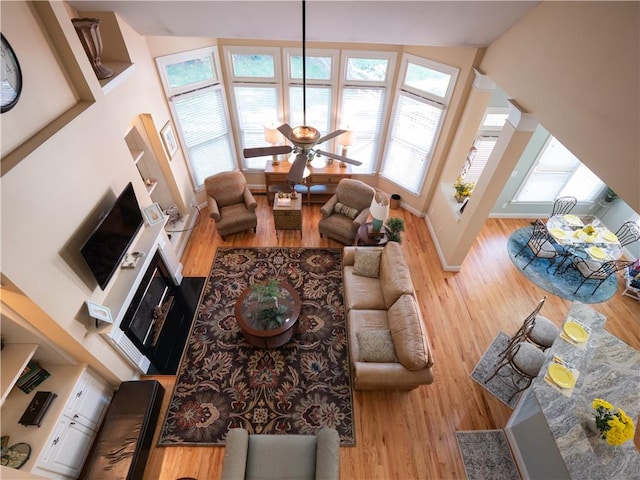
575,66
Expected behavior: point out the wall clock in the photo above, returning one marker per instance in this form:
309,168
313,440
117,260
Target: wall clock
11,76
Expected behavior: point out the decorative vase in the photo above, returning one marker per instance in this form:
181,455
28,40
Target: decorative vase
88,30
460,198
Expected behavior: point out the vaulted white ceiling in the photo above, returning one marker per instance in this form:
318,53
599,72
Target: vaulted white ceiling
433,23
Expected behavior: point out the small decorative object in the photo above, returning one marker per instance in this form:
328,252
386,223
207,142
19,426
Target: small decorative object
267,315
174,214
153,214
589,230
610,195
16,455
88,30
11,76
463,189
394,228
37,408
99,312
612,423
169,139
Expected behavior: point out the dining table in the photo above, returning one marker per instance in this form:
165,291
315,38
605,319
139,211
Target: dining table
585,236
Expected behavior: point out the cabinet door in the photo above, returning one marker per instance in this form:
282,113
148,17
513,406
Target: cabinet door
67,449
89,401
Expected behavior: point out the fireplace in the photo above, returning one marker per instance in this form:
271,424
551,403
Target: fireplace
159,317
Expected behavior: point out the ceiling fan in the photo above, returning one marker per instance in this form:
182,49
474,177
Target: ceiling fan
304,137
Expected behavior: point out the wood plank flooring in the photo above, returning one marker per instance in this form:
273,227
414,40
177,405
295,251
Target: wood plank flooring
409,435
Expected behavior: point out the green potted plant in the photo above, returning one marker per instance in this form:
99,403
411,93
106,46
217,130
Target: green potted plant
267,315
610,195
394,228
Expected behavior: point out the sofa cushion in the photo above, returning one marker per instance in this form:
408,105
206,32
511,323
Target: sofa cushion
395,278
376,346
281,456
406,333
367,262
361,293
343,209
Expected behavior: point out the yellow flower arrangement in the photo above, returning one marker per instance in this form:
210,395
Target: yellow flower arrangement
615,426
462,188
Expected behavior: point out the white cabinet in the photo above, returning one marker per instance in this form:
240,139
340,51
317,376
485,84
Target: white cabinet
70,441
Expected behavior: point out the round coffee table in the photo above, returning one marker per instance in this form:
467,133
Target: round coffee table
250,319
364,238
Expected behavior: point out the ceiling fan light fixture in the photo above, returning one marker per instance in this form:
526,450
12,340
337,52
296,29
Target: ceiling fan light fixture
305,135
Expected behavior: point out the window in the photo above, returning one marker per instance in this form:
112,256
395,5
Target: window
196,97
421,101
254,76
365,82
557,172
492,123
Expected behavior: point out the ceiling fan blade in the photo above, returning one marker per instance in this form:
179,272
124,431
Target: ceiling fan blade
297,169
339,157
286,130
264,151
329,136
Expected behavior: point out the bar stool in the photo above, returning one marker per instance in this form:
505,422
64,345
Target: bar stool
535,329
525,360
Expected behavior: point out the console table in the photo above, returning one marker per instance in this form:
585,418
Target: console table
318,187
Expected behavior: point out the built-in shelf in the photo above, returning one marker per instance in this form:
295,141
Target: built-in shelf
454,205
137,155
15,356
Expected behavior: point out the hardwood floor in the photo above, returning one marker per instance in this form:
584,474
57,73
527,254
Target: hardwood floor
410,435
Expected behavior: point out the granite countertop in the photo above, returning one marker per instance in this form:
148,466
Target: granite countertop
608,369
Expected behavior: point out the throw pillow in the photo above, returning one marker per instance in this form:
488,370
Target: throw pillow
345,210
376,346
366,262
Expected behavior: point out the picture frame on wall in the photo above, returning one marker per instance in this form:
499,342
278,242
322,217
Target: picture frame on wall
169,139
153,214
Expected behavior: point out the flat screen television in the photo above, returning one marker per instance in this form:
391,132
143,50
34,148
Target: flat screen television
107,245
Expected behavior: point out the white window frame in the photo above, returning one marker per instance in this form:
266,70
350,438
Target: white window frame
485,133
234,81
344,121
174,93
429,98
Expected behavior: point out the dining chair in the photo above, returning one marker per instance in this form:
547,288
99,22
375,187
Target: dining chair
563,205
541,244
628,232
597,271
536,329
525,361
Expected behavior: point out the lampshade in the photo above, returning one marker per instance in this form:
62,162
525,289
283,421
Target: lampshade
346,139
379,210
271,133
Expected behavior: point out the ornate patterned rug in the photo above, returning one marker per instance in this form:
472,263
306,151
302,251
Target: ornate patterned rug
223,382
486,455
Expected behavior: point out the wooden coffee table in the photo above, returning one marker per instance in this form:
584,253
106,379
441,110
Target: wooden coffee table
247,306
363,237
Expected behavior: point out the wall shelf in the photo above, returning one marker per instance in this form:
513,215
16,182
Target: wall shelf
15,356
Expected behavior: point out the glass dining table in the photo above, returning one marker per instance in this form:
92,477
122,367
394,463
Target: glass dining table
584,236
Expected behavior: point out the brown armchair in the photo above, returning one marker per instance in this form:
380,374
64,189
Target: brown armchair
231,203
354,198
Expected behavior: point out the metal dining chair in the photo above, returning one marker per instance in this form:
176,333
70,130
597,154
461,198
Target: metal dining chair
563,205
541,244
597,271
628,232
536,329
525,361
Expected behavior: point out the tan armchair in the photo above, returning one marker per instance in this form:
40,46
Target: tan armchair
231,203
355,198
278,457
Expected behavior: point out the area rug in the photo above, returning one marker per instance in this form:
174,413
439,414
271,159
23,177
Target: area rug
223,382
561,284
500,386
486,455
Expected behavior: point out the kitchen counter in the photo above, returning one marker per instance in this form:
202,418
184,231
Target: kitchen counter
547,430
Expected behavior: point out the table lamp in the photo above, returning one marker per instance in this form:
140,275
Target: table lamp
272,136
379,210
346,140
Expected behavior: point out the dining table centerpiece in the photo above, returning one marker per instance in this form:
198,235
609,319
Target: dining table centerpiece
611,423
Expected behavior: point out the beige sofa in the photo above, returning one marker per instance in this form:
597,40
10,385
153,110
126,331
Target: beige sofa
387,340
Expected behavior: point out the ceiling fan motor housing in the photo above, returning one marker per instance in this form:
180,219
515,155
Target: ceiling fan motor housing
305,135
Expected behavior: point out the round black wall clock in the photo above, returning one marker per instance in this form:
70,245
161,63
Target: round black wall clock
11,76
